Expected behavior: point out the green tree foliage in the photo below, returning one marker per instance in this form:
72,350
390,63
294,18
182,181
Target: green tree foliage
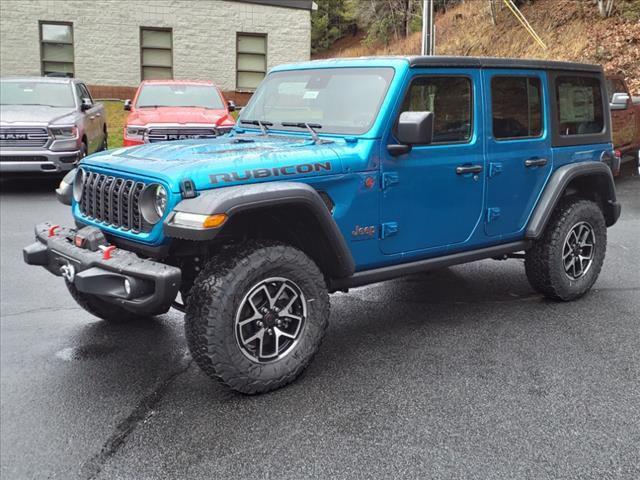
388,20
333,20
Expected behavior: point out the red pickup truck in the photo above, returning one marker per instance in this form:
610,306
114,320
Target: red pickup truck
176,110
625,119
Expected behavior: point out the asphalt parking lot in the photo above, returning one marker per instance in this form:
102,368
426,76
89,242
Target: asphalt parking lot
462,373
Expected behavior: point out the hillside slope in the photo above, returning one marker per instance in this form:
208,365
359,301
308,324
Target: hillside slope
572,30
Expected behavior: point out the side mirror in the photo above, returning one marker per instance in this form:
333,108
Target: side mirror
232,105
127,104
619,101
85,104
414,128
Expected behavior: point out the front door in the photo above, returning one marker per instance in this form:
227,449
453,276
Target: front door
433,196
93,123
518,147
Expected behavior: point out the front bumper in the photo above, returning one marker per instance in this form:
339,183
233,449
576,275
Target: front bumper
153,285
37,161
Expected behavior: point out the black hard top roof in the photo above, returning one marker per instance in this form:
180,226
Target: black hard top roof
494,62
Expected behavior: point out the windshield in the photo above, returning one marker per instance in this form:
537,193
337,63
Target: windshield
36,93
338,100
179,95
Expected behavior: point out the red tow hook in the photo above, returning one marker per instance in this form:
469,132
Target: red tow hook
107,251
52,230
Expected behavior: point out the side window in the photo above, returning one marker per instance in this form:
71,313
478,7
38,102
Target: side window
449,98
579,104
516,106
83,92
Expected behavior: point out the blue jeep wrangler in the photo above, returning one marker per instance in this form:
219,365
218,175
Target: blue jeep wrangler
341,173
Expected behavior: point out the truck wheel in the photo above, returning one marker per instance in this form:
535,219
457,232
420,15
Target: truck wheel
256,315
566,261
101,309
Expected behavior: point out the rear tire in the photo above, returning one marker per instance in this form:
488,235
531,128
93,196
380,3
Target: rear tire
261,290
565,263
99,308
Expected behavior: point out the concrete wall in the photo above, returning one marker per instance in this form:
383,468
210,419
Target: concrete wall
107,36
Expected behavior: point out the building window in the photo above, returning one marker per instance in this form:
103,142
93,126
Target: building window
449,99
516,107
580,106
156,55
56,49
251,65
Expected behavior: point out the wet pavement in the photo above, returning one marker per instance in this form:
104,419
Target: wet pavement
460,373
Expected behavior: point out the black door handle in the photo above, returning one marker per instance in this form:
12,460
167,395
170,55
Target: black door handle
461,170
535,162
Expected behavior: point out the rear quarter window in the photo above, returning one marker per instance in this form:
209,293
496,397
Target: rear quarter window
580,110
516,104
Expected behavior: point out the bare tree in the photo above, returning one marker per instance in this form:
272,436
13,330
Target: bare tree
605,7
492,11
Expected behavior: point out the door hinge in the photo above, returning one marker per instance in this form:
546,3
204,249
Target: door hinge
495,168
388,229
492,214
389,178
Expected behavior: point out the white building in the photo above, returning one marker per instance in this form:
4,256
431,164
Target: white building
114,44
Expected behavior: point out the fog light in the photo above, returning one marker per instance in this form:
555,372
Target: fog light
127,286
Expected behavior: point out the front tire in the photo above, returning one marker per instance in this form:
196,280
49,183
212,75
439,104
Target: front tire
565,263
105,142
256,315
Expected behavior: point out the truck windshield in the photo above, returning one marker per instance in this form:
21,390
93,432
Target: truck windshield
179,95
344,101
36,93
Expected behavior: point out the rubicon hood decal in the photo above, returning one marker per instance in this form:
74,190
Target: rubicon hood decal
286,170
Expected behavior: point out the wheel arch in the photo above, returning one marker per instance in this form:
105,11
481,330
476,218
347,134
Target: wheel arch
591,180
290,212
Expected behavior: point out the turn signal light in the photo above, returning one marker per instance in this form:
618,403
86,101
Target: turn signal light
198,221
214,221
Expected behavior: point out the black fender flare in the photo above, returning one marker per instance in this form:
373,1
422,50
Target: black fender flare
241,198
557,185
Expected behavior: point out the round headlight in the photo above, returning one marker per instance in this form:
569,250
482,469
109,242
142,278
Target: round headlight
153,203
78,184
160,200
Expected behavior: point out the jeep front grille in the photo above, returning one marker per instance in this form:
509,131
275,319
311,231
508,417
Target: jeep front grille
23,137
113,201
180,133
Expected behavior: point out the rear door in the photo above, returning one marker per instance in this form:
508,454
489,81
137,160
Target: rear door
518,147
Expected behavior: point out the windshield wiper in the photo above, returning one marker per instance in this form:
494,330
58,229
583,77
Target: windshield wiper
260,123
309,126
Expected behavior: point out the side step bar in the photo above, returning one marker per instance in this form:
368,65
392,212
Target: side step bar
376,275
